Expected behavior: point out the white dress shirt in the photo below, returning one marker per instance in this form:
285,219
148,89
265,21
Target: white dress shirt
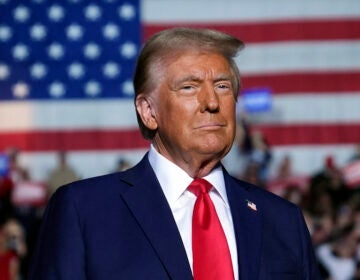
174,182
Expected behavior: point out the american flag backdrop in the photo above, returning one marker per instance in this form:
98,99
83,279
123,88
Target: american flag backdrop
66,69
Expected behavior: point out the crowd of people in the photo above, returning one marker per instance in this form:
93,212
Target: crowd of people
331,208
21,211
330,204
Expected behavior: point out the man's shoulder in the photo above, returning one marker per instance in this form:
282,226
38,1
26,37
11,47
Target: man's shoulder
95,182
107,183
89,187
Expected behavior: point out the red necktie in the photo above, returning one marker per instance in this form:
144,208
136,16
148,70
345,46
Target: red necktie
211,255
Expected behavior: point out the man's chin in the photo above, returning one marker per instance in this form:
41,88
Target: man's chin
214,151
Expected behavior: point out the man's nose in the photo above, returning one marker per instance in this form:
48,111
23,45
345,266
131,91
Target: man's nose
209,100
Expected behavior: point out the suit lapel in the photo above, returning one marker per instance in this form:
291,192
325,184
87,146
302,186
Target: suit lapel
148,204
247,225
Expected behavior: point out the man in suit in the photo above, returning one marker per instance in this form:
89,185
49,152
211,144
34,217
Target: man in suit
151,221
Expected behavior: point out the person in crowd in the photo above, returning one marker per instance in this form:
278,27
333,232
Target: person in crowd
327,187
9,261
177,214
16,236
62,174
17,172
285,170
255,150
18,243
338,256
260,155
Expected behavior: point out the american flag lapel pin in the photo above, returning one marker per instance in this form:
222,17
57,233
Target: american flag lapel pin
251,205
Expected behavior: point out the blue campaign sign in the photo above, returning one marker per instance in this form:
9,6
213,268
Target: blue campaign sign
257,100
4,164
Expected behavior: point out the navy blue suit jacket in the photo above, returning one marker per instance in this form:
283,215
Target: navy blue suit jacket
120,226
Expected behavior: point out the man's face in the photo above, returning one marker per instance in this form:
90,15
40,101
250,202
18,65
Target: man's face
194,107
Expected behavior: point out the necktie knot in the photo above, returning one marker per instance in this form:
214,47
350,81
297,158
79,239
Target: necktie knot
199,186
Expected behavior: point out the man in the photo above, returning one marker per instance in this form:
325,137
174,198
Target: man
154,220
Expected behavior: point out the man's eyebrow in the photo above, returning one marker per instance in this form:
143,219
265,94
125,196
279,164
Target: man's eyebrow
181,80
223,77
187,79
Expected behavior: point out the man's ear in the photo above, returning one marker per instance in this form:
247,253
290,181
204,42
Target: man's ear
145,111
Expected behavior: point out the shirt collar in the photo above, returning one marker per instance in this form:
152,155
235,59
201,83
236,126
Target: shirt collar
174,180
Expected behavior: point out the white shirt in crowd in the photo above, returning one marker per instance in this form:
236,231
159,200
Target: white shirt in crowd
338,268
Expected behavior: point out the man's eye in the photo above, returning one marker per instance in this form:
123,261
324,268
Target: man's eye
186,89
223,87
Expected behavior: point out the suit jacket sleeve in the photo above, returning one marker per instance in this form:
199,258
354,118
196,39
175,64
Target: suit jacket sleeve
60,249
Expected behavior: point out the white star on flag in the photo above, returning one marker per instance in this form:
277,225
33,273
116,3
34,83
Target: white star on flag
128,50
4,71
92,12
21,14
92,50
76,70
20,90
38,70
127,12
92,88
111,31
74,32
38,32
57,89
56,13
111,70
128,88
20,52
5,33
56,51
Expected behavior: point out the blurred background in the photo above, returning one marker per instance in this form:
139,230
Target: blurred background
66,107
